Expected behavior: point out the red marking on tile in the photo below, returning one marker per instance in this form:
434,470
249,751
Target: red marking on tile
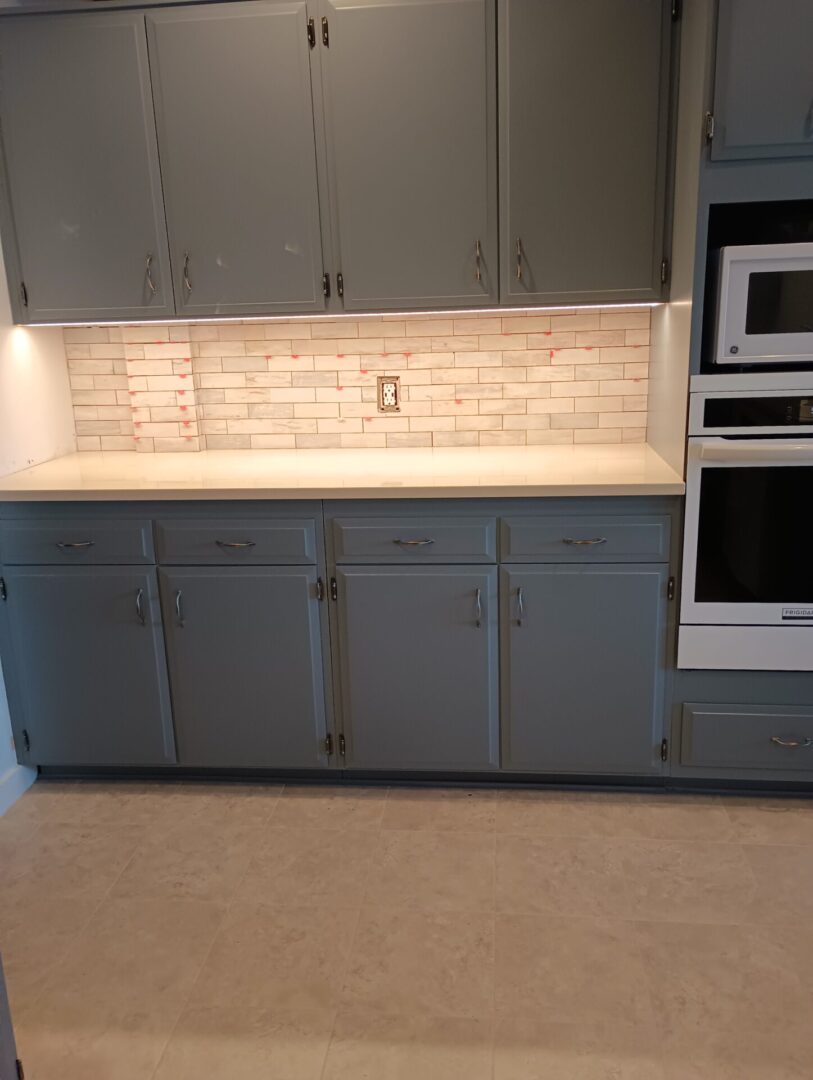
187,437
407,354
340,388
588,348
368,419
294,355
364,371
181,391
136,438
137,423
269,356
547,333
183,408
186,360
182,376
458,401
186,423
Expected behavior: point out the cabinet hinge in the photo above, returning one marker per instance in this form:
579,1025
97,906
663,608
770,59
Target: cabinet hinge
3,590
334,589
320,589
664,749
664,271
26,740
708,126
20,1070
325,34
670,589
342,746
340,284
326,285
24,294
312,33
329,745
676,10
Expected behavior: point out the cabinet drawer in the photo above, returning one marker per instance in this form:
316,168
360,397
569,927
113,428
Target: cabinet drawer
411,540
747,737
237,542
76,542
572,538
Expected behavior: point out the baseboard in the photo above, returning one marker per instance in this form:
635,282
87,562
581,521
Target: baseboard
13,783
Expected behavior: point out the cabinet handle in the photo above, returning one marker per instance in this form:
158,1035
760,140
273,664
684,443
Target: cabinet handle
140,607
186,280
478,254
179,608
582,543
478,608
150,282
519,259
792,744
414,543
72,545
236,543
520,606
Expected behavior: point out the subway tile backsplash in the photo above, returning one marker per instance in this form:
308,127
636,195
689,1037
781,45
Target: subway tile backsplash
514,380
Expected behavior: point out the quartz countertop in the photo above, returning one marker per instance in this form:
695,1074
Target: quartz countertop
345,474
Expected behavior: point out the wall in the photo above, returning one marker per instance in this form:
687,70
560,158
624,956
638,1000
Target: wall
513,380
36,423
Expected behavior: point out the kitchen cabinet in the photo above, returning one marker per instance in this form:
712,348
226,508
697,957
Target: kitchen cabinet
410,93
763,87
584,100
85,665
417,652
88,237
232,89
245,663
583,663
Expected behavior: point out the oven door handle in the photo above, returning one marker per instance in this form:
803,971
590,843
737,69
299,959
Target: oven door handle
762,450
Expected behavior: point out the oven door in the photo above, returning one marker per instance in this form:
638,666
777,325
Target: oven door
748,539
765,305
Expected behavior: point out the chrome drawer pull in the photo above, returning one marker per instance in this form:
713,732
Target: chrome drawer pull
580,543
236,543
179,608
520,606
150,282
140,607
186,280
71,545
478,608
478,258
414,543
791,744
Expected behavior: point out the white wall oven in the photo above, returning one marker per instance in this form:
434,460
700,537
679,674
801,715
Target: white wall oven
765,305
747,590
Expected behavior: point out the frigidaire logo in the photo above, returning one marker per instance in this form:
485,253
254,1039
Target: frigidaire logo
797,612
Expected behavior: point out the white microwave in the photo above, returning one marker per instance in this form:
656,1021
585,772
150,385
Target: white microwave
765,305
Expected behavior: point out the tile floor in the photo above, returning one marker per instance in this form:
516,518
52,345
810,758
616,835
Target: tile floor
188,932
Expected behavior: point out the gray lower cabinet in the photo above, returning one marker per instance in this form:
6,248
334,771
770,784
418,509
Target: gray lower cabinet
410,101
418,667
245,664
584,96
10,1067
763,86
582,668
87,679
232,89
88,238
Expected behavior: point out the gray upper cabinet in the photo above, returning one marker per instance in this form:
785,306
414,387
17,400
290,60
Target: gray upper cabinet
85,666
418,659
763,91
245,663
232,89
83,187
584,96
582,668
409,99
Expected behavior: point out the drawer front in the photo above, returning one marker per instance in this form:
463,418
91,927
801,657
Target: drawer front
239,542
571,538
76,542
413,540
767,737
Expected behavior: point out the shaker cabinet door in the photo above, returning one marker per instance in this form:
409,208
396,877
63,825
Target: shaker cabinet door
583,651
88,238
584,88
410,90
232,88
763,87
418,663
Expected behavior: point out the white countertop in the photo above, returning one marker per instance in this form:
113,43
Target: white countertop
344,474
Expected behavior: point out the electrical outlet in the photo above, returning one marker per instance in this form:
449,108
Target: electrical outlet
389,393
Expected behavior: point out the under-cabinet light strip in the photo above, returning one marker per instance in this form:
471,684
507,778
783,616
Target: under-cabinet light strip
504,312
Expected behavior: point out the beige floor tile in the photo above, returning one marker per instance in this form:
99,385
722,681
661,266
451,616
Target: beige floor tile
47,800
285,960
433,871
94,1052
196,860
784,883
441,809
368,1046
418,963
330,807
310,866
560,876
533,1050
740,1055
570,971
771,821
226,1043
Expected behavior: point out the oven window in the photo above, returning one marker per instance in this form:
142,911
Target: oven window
780,302
755,535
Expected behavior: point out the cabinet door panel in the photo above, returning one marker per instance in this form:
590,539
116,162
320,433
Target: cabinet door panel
235,122
419,678
89,672
763,92
410,99
583,668
584,114
245,666
82,167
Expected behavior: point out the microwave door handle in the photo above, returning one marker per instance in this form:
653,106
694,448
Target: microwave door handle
761,451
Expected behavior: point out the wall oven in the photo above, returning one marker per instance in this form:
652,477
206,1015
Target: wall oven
747,590
765,305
